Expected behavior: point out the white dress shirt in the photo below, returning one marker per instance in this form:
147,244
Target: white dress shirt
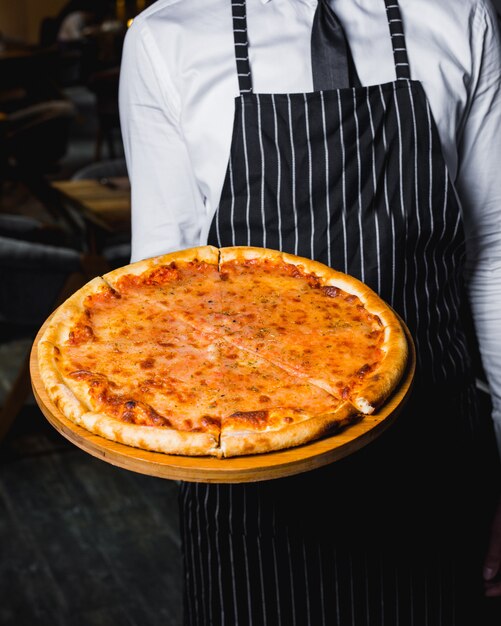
178,82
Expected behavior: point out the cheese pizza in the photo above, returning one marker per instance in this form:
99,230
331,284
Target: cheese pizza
221,352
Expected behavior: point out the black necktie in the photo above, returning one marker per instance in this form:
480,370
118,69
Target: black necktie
331,61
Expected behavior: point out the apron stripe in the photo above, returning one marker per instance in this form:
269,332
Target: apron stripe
327,182
418,225
232,210
293,174
279,177
208,543
392,268
310,180
264,588
447,309
359,191
425,192
401,195
217,536
251,619
374,190
343,175
247,182
433,229
291,569
263,169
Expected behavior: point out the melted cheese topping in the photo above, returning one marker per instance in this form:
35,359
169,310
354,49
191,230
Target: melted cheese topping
192,346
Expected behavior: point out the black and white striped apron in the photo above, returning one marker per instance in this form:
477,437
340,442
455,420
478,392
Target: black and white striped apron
354,178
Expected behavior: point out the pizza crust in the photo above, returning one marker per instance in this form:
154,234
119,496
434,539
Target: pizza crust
378,386
67,314
57,390
237,441
204,254
248,253
166,440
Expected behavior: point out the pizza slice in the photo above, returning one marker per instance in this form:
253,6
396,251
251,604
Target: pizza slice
262,407
117,410
314,322
126,370
184,284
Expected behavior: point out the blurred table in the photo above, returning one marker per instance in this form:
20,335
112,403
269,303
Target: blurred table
104,205
18,52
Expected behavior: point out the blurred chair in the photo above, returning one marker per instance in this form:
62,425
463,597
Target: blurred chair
104,85
17,226
109,168
12,98
116,247
34,141
37,276
37,136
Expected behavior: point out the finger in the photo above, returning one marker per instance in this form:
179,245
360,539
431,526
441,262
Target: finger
493,589
492,560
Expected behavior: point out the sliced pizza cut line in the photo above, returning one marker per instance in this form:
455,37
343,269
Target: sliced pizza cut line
320,383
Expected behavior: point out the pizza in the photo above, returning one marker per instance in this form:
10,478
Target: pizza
221,352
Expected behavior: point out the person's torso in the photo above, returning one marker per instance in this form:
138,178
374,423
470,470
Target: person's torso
191,47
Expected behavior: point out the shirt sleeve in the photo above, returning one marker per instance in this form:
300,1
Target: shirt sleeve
479,187
167,205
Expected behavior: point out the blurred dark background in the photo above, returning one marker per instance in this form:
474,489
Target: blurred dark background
82,542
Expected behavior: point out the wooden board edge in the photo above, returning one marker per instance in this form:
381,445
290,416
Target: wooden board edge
279,464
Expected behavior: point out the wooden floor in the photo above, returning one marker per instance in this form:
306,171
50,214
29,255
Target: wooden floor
83,543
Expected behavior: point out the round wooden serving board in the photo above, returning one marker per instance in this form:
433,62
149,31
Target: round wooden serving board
232,470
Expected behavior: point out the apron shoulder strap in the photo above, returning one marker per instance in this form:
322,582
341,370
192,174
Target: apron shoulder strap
241,45
239,15
397,40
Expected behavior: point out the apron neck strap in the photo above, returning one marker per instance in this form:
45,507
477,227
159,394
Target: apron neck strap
396,26
241,45
239,14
